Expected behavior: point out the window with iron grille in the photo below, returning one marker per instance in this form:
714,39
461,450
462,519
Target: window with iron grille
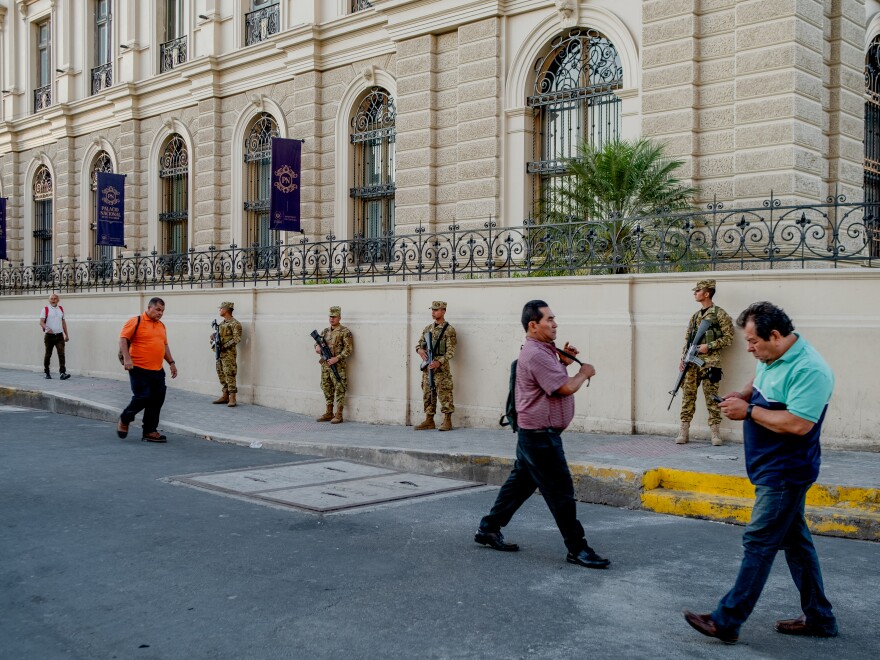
373,140
102,74
173,49
43,195
258,188
174,182
43,91
262,22
872,141
98,253
574,101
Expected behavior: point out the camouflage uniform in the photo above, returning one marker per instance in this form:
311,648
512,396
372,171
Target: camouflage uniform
443,373
227,369
719,336
341,344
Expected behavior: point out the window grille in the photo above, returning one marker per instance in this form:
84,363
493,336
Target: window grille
872,142
360,5
102,163
174,213
43,195
261,24
574,101
258,182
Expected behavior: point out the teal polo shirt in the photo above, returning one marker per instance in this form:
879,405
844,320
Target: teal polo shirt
801,382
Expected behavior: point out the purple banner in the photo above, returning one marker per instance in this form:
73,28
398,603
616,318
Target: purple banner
284,203
111,209
2,227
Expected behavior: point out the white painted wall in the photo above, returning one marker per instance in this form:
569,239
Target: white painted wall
630,327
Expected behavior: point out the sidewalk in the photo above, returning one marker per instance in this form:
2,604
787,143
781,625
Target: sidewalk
641,471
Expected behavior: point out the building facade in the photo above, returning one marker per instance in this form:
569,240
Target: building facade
414,113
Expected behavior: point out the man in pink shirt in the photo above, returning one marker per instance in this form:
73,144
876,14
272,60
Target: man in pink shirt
545,408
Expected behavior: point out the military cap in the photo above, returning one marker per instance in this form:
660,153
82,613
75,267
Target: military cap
438,304
228,305
336,311
705,284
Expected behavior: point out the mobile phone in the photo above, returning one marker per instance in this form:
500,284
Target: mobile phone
716,398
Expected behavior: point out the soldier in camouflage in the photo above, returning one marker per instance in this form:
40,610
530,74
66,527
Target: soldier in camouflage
341,343
444,342
227,368
719,336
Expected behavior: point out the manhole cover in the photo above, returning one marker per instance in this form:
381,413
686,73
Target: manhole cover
323,486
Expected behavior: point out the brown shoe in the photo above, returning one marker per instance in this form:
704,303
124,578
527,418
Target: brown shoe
426,425
327,416
154,436
224,398
800,627
704,624
337,418
232,401
447,422
121,429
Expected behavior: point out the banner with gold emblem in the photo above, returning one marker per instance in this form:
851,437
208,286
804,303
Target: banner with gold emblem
284,203
2,228
111,209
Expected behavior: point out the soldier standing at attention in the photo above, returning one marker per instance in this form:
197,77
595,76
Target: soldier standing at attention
341,343
227,369
443,346
719,336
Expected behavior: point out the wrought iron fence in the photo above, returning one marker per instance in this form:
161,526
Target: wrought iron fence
770,236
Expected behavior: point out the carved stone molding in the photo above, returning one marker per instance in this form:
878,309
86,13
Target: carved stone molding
569,13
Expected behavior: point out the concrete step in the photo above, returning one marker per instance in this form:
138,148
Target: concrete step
844,511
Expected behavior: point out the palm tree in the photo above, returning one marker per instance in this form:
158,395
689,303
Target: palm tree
610,196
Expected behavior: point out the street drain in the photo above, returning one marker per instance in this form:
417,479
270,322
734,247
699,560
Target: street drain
323,486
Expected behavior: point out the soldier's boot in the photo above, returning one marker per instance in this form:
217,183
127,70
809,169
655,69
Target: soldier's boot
232,402
716,434
447,422
327,416
427,425
337,418
224,398
683,433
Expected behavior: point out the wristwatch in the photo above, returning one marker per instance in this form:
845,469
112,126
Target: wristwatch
749,411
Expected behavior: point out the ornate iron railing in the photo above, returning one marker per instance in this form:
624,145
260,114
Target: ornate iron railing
834,234
102,77
172,54
261,24
360,5
42,97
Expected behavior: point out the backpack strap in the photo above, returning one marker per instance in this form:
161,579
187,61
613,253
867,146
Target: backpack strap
439,337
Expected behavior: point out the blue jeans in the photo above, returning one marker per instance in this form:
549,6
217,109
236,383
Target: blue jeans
540,463
147,394
777,524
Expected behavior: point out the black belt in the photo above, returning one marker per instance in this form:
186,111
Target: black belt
544,430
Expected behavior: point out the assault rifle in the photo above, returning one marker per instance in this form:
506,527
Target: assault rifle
429,349
215,339
326,353
690,358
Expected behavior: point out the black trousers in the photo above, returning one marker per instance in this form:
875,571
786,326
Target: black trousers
148,394
54,340
540,463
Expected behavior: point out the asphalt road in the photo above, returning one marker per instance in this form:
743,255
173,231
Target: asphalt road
102,557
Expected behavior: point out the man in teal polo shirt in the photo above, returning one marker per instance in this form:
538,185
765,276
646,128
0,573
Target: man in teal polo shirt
783,408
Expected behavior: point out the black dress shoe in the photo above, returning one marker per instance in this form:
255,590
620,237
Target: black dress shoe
800,627
587,557
704,624
65,376
494,540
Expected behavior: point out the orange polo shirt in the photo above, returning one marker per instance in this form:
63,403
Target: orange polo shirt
147,344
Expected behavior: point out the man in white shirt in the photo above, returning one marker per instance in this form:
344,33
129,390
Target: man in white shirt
54,328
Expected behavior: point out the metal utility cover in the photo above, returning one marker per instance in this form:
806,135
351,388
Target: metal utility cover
324,486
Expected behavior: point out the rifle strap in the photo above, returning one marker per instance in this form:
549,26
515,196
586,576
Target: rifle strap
436,344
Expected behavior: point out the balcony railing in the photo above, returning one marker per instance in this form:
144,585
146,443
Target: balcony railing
360,5
172,54
770,236
102,77
42,97
259,25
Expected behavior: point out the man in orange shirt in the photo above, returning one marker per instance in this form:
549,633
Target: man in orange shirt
143,343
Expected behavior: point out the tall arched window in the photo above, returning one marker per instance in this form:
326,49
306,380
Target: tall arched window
102,163
573,102
372,138
872,138
258,187
43,194
174,209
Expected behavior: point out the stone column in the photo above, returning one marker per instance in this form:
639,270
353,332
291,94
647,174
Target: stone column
317,156
132,157
209,177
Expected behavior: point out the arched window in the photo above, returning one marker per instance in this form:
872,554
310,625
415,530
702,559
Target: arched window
872,139
258,188
174,209
372,138
573,102
43,194
102,163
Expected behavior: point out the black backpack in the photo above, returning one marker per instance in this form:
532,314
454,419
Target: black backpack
509,416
